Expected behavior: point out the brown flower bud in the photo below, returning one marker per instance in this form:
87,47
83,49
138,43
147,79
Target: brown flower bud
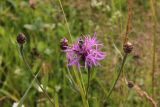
127,47
63,43
130,84
21,38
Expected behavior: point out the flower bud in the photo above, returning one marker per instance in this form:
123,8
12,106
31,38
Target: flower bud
21,38
63,43
130,84
127,47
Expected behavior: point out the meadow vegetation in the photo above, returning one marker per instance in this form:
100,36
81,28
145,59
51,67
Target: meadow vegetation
35,73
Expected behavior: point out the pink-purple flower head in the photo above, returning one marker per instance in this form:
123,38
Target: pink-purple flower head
85,51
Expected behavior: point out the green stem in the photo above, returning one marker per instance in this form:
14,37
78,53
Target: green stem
37,81
26,92
88,84
154,19
119,73
67,25
82,82
82,93
56,100
64,88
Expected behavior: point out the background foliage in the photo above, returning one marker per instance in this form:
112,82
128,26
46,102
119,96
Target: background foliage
44,25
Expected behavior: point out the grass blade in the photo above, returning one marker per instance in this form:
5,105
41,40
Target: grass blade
26,93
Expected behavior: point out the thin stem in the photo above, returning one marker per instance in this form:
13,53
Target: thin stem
71,77
119,73
128,27
113,6
84,100
102,86
56,100
60,3
154,19
37,81
88,84
64,87
26,92
82,81
120,8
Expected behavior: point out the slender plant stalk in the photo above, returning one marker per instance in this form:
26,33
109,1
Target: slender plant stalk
60,3
56,100
99,82
128,27
113,6
26,92
154,19
8,95
88,84
119,73
37,81
71,77
82,81
64,88
82,93
120,8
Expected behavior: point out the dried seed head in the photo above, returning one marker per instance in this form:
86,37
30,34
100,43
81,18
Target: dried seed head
127,47
63,44
130,84
21,38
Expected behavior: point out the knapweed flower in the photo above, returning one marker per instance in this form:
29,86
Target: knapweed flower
85,51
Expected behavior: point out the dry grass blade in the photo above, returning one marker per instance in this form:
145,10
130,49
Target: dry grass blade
140,92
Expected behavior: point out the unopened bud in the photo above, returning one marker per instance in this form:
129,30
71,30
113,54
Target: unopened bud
63,43
21,38
127,47
130,84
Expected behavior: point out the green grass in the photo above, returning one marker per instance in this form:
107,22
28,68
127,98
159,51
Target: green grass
44,27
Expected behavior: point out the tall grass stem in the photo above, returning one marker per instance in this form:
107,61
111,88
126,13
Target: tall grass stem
29,68
154,19
64,15
119,73
26,92
88,84
81,90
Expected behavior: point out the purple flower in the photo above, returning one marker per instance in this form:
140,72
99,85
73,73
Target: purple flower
85,51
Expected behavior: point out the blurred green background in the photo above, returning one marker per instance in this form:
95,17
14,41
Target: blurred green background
43,23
